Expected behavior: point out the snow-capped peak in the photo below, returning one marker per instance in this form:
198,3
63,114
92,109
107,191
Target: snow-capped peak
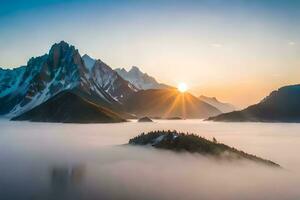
139,79
88,61
135,70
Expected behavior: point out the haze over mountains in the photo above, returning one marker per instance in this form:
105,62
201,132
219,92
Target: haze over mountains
36,85
223,107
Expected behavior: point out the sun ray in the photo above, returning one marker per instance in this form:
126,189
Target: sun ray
157,102
183,106
191,104
174,104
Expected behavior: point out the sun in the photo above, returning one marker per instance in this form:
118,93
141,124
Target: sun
182,87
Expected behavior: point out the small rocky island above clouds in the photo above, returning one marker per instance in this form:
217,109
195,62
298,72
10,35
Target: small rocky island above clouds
145,119
181,142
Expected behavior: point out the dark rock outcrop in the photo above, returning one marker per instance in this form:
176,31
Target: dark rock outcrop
145,119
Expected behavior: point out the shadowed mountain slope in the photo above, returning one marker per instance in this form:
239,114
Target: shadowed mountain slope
69,107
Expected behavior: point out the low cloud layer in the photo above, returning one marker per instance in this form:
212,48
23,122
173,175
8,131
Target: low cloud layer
81,162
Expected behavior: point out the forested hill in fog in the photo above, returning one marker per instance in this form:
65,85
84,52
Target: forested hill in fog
180,142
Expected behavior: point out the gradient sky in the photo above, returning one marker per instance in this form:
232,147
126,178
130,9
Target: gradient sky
237,50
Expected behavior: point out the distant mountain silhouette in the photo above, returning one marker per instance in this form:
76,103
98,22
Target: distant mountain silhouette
223,107
168,103
69,107
140,80
282,105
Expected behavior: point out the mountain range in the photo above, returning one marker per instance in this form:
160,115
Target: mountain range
39,90
282,105
63,74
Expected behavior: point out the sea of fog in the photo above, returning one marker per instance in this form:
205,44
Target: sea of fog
90,161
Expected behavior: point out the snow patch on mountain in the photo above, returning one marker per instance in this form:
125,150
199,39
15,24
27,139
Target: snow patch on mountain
105,77
10,80
45,76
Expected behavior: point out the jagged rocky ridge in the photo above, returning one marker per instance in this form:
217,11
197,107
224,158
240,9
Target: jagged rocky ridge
282,105
61,69
104,77
181,142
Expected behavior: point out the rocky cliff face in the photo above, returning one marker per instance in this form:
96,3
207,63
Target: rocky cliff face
103,76
10,92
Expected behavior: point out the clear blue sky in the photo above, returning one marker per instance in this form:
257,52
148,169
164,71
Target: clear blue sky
219,47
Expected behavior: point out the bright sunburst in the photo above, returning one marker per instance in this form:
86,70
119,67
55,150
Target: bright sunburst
182,87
